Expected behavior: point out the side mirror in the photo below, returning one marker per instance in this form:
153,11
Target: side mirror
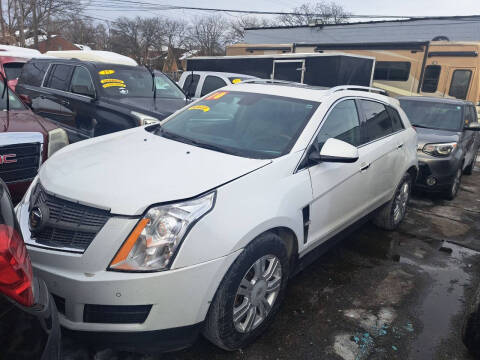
474,126
335,150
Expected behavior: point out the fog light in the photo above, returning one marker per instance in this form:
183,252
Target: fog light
431,181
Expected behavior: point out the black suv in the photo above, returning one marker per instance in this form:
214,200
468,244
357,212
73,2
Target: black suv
93,98
447,141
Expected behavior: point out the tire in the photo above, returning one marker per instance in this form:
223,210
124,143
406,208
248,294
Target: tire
220,327
452,190
471,326
388,217
469,169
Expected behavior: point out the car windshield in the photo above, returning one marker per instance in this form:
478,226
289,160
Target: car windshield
15,103
126,81
166,88
243,124
433,114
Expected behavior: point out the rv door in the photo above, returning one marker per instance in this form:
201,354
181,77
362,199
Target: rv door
289,70
459,84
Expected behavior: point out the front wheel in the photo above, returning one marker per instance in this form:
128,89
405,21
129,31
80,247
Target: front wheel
392,214
452,191
250,294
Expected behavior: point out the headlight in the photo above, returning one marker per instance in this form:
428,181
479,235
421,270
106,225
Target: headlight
57,139
144,119
440,149
153,243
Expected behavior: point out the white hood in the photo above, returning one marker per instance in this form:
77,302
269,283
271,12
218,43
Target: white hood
128,171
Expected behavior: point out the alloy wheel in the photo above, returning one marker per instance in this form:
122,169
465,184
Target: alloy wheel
401,201
257,293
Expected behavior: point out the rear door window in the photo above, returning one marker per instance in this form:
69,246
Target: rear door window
190,84
59,77
33,73
430,78
460,84
212,83
397,123
378,123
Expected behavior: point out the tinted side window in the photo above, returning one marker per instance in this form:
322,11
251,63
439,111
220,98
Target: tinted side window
397,123
378,123
430,78
82,82
460,84
212,83
392,70
59,77
33,73
342,123
190,84
13,70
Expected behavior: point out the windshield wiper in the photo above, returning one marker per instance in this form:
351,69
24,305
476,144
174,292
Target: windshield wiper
154,86
187,140
423,127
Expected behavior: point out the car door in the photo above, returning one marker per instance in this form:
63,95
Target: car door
55,88
212,83
340,190
80,101
382,150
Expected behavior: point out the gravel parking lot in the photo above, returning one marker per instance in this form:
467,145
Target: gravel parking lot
379,295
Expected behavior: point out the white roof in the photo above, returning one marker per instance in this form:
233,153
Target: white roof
224,74
20,52
305,92
94,55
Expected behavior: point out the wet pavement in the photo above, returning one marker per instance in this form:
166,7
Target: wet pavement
378,295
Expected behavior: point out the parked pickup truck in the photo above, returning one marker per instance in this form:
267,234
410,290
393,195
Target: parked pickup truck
26,141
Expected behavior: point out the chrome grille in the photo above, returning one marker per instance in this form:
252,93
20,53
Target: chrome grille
68,224
26,160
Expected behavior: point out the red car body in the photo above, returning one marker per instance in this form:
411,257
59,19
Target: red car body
18,121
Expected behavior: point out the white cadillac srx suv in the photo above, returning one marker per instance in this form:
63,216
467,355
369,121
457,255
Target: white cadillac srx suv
195,224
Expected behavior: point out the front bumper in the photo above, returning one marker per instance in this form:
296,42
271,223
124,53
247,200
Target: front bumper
443,170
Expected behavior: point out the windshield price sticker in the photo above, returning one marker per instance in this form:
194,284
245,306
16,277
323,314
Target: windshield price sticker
204,108
107,85
236,81
104,81
106,72
217,95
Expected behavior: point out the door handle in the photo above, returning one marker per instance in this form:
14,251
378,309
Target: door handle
399,146
364,166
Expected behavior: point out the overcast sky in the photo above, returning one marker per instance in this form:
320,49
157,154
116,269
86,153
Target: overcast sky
364,7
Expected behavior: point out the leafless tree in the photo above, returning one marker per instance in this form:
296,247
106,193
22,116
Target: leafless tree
324,12
208,35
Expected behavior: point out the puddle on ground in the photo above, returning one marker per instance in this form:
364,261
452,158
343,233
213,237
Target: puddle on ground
443,300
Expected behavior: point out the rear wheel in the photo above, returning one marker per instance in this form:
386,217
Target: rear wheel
250,294
392,214
452,191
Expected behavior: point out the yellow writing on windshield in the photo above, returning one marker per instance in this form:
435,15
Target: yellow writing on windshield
200,107
104,81
107,85
106,72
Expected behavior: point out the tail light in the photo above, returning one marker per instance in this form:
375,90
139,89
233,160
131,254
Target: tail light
15,267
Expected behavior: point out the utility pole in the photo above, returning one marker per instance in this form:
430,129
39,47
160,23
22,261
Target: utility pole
21,21
35,23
